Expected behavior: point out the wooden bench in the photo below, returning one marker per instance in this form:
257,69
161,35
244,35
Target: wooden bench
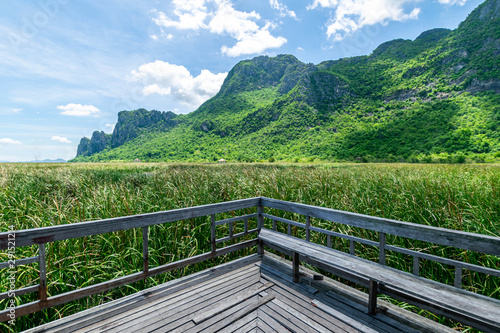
466,307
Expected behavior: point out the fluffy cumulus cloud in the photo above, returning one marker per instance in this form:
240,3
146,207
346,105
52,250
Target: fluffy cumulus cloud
60,139
78,110
219,17
9,141
163,78
351,15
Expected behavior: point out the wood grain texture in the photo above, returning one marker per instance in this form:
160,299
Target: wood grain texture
463,240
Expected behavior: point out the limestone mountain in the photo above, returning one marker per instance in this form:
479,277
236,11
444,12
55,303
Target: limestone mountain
436,97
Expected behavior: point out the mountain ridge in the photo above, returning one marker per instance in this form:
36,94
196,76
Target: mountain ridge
368,107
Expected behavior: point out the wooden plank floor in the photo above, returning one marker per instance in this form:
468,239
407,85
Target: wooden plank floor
247,295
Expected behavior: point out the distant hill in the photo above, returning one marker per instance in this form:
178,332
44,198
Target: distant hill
59,160
434,97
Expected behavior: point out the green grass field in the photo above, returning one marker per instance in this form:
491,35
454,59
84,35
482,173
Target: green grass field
459,197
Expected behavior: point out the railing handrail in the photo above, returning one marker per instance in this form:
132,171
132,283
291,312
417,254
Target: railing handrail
82,229
442,236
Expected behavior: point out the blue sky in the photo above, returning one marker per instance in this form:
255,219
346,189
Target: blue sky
68,67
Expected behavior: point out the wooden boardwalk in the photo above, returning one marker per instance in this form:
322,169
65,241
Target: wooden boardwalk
246,295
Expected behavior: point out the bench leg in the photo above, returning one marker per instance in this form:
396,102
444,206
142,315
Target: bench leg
372,297
295,267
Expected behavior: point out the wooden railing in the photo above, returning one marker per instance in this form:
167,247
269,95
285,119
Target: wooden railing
457,239
41,236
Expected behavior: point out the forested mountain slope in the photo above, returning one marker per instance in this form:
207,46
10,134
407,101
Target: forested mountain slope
436,97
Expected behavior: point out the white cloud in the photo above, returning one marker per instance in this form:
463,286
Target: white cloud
162,78
60,139
283,9
351,15
190,14
251,38
9,141
79,110
453,2
222,19
17,110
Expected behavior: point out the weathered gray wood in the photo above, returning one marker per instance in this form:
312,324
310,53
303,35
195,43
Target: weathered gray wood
130,303
287,221
173,312
212,233
458,277
289,229
344,236
42,289
100,287
236,219
352,248
19,262
241,234
295,263
82,229
416,265
372,297
308,226
381,248
441,299
220,307
329,240
231,229
464,240
260,225
274,225
354,301
271,322
244,325
241,310
337,314
246,226
284,319
295,297
145,249
21,291
446,261
299,315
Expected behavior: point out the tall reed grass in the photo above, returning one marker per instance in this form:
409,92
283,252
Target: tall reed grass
459,197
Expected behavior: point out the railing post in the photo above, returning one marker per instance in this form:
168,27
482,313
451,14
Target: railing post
212,232
42,291
381,248
329,240
372,297
352,248
260,225
295,267
458,277
145,249
416,265
308,225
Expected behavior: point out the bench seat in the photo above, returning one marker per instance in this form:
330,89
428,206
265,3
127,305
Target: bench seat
466,307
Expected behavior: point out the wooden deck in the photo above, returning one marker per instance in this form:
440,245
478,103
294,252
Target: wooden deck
247,295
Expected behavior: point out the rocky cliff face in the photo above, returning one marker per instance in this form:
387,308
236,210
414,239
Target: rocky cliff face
129,126
131,123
